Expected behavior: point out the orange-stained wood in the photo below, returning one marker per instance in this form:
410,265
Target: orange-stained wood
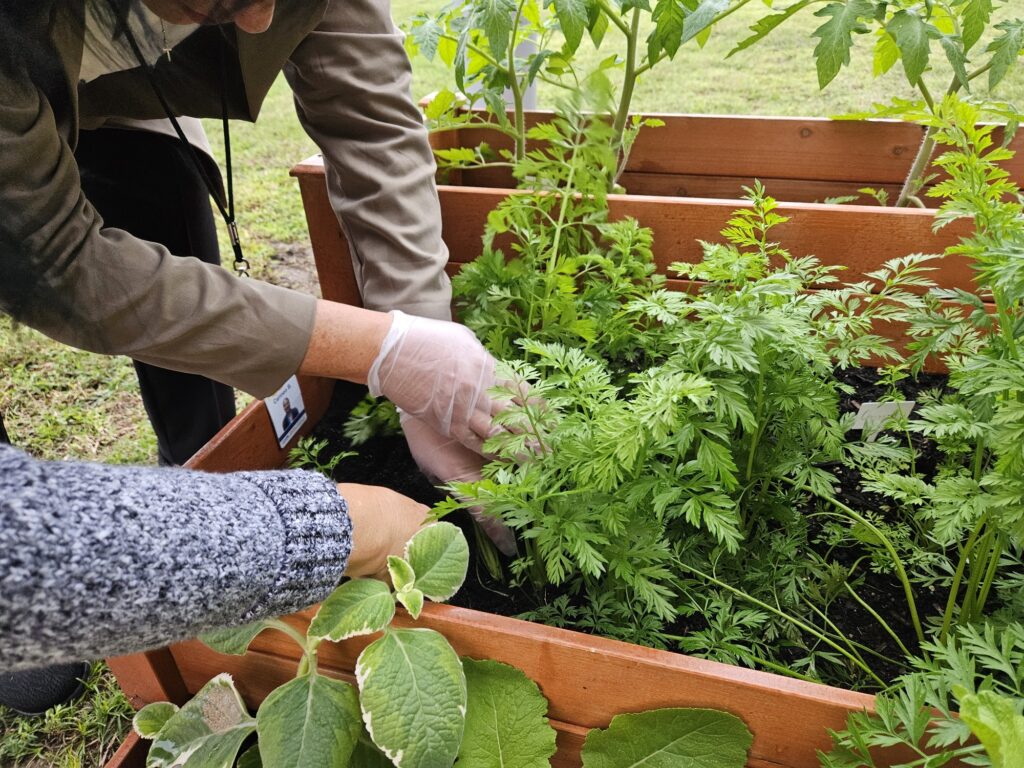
581,676
330,247
855,152
857,238
721,187
132,753
150,676
252,443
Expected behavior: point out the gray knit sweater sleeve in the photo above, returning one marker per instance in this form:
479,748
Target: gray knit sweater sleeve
100,561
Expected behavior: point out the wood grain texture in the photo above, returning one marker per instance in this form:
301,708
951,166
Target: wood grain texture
330,247
693,185
150,676
859,238
856,237
250,442
132,753
854,152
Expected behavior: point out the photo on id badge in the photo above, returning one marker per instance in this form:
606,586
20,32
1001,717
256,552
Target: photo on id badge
287,411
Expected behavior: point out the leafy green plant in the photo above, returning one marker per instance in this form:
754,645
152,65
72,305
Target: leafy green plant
494,48
420,704
317,720
913,33
968,514
308,453
571,270
626,470
372,416
978,670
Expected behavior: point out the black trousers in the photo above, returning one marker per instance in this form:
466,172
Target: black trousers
147,185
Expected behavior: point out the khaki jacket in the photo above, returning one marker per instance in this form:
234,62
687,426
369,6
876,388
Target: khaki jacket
98,288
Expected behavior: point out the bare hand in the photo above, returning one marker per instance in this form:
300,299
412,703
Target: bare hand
382,522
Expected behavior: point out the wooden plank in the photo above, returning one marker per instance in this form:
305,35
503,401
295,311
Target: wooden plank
581,676
250,442
132,753
731,187
749,146
148,677
718,187
330,246
859,238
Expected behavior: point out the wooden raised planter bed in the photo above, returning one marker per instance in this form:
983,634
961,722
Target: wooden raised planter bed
686,178
798,159
587,680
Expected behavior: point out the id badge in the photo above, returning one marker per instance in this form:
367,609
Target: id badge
287,411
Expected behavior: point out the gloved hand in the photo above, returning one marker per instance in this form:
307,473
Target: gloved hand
444,459
439,373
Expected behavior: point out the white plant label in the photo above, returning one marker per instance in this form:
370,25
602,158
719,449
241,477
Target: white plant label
872,417
287,411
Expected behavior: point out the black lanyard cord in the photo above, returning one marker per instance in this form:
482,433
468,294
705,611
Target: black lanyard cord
227,210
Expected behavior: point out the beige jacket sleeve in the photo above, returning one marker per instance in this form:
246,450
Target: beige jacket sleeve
351,79
97,288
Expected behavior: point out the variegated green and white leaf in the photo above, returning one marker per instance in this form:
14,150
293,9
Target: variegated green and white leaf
413,696
205,733
357,607
312,720
234,640
439,555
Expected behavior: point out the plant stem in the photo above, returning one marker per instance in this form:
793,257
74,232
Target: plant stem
853,645
1006,322
886,544
879,619
990,575
628,84
924,156
613,16
927,148
758,405
307,664
289,630
978,567
513,84
792,619
958,576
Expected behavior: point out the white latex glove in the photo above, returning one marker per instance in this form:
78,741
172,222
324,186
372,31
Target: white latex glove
444,459
439,373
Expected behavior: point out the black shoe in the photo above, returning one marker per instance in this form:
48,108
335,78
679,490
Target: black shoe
34,691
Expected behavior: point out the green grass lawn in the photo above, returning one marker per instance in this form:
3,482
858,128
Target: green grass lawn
61,403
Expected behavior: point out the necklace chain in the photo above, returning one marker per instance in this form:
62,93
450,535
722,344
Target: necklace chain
163,32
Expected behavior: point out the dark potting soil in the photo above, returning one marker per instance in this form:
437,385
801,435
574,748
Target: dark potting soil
386,461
